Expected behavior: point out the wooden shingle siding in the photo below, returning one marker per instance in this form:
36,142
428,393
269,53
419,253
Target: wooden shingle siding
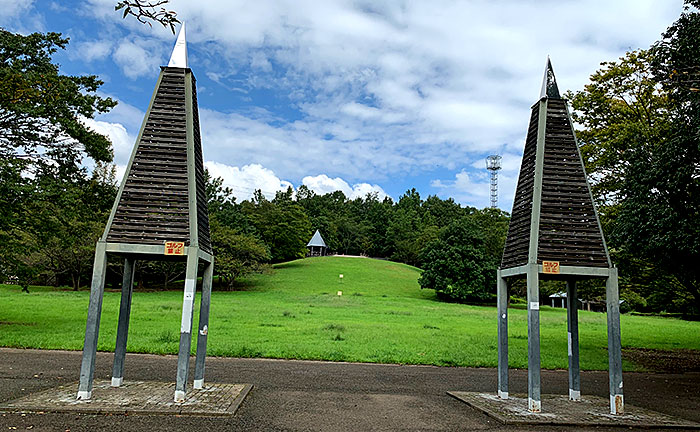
569,231
518,239
154,206
568,227
202,208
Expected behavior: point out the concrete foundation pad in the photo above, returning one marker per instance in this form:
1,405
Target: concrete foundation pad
135,397
590,411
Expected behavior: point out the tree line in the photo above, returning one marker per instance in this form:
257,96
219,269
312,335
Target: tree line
433,233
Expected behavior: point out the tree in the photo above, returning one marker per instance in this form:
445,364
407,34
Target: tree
405,228
457,266
640,141
622,111
43,141
660,217
282,224
236,254
41,110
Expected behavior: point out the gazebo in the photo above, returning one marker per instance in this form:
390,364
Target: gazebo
316,246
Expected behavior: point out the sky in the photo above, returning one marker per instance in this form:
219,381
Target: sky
359,96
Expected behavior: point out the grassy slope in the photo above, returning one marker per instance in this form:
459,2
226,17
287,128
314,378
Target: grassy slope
382,316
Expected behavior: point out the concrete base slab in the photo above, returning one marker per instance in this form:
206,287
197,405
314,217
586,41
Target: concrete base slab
558,410
135,397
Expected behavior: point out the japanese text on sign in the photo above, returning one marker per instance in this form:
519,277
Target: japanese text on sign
174,248
550,267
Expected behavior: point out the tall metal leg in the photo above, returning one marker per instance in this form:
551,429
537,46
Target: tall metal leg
92,327
533,340
183,358
123,326
614,344
572,327
502,296
203,326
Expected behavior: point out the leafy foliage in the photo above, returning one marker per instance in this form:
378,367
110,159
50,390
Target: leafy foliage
281,223
236,254
458,265
623,111
641,141
660,216
41,110
146,12
51,207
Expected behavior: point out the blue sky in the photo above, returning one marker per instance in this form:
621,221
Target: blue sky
356,96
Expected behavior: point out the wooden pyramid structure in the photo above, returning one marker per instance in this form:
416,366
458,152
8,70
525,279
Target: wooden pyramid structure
555,233
160,213
553,216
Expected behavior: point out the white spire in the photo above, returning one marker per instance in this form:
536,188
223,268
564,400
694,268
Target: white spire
178,58
549,82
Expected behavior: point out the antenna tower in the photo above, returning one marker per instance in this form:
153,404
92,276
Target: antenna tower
493,164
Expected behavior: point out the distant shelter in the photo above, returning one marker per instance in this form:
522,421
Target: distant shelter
316,246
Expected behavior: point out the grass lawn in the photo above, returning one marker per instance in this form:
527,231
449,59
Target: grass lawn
295,313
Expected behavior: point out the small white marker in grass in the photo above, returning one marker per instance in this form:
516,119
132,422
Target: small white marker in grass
340,278
340,293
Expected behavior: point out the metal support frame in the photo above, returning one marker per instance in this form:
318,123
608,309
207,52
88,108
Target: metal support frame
92,327
123,326
534,400
532,272
572,336
502,296
204,306
614,344
92,330
183,357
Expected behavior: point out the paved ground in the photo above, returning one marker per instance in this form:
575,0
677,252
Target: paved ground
300,395
134,397
559,410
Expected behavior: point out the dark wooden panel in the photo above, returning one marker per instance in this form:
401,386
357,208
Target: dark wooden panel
154,204
517,243
569,231
202,207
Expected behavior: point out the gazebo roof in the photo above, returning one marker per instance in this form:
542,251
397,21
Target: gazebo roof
316,240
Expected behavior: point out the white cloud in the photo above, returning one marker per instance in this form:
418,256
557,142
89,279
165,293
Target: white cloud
135,59
248,178
322,184
258,60
13,8
245,180
93,50
122,142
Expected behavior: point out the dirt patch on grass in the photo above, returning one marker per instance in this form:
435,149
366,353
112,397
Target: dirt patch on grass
656,360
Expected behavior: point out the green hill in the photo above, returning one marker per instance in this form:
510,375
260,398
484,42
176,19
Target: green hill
296,312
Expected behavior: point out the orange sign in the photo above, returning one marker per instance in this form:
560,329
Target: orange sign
174,248
550,267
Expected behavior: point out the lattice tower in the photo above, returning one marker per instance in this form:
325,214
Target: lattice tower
493,164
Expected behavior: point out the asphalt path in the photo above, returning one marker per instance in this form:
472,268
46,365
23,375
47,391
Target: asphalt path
320,396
